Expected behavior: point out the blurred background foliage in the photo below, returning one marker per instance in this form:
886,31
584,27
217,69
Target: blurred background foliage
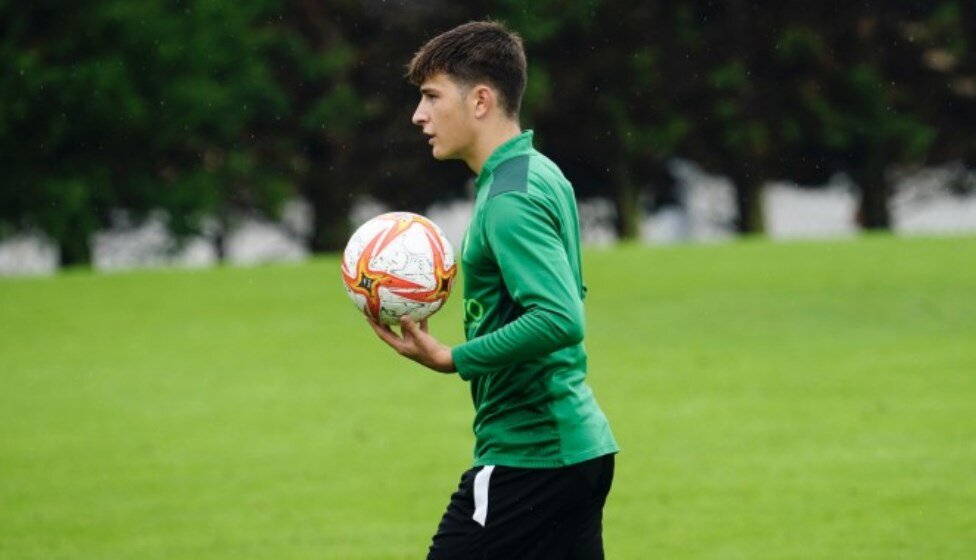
208,109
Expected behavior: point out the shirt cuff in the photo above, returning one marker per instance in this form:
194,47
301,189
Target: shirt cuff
461,362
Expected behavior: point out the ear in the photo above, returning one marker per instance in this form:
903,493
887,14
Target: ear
483,100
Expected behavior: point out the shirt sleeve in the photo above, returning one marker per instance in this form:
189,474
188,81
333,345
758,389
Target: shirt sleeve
524,239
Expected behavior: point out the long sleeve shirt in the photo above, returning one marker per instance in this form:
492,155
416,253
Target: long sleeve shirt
523,317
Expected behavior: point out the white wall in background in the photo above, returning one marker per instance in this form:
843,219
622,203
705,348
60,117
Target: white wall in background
148,245
597,217
258,241
794,213
28,255
452,217
708,200
923,204
667,226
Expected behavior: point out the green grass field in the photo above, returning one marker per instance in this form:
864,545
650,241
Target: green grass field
788,401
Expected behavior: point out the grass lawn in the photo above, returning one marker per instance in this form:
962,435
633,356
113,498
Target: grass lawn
788,401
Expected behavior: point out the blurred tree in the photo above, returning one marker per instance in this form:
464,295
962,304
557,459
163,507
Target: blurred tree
343,64
394,161
384,154
847,75
728,99
641,82
131,106
940,72
313,59
873,123
207,109
599,97
749,72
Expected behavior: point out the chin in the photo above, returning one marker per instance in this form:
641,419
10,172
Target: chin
441,155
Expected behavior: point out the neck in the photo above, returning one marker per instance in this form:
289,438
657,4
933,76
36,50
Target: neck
489,140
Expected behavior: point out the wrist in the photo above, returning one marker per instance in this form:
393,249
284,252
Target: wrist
445,361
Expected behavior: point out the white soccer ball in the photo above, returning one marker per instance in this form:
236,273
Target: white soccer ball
398,264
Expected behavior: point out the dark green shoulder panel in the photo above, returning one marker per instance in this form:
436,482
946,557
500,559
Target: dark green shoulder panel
510,176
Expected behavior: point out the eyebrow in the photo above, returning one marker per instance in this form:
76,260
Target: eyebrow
428,90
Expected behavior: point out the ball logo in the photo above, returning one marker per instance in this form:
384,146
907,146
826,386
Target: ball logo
398,264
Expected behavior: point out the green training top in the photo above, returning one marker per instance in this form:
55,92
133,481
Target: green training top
523,317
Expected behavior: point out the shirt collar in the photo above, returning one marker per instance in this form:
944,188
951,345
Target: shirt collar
513,147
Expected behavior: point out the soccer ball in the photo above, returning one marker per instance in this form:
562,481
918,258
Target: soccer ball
398,264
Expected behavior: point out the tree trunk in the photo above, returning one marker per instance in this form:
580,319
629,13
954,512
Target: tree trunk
873,213
869,171
748,180
330,204
220,238
330,218
627,202
749,204
75,246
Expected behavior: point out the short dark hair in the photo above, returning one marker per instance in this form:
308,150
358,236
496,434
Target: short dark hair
479,51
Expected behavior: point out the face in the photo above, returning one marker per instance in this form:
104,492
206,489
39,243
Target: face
444,113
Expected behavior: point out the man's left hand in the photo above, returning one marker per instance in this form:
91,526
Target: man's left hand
416,343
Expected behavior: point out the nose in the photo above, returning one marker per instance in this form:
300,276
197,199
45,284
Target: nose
420,117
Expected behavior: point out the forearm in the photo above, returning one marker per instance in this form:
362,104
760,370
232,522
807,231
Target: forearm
534,334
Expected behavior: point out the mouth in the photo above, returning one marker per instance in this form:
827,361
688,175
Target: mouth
430,140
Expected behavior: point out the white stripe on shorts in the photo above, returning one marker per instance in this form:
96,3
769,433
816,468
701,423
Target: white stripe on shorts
481,494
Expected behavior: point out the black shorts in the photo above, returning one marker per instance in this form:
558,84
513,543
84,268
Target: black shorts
508,513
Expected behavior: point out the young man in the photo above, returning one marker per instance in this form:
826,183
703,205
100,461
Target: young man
544,451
